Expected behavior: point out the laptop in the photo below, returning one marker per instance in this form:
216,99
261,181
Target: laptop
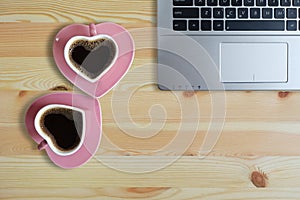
228,44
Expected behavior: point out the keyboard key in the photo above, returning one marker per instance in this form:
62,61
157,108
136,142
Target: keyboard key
186,12
254,13
218,25
292,13
261,2
206,25
230,13
267,13
224,2
273,2
243,13
218,13
291,25
285,2
212,2
255,25
296,2
200,2
179,25
249,2
279,13
236,2
205,12
182,2
194,25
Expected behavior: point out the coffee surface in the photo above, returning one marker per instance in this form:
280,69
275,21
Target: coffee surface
64,127
92,57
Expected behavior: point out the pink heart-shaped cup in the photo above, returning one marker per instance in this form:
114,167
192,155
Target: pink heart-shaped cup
91,127
117,67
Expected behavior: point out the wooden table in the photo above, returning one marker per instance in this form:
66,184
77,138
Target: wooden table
256,157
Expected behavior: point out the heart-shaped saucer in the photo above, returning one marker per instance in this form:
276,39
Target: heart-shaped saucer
93,126
62,127
91,57
104,81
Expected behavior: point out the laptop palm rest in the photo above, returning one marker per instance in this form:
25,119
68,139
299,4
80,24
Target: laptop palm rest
254,62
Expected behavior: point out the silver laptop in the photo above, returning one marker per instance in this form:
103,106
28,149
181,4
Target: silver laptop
229,44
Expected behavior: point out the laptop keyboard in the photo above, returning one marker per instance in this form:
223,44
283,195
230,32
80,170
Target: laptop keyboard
236,15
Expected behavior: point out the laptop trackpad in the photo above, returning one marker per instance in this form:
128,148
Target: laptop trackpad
254,62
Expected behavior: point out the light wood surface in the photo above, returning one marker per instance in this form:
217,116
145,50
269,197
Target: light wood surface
256,157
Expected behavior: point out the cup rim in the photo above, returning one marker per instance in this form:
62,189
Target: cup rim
89,38
47,138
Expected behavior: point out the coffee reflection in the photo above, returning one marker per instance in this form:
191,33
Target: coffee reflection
92,58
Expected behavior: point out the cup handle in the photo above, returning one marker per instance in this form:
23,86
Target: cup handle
93,30
42,145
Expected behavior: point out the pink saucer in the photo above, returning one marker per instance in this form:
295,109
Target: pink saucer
122,64
93,130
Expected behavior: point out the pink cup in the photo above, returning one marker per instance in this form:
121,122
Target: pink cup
92,129
114,73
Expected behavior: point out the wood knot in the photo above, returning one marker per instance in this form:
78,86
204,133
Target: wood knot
188,94
191,154
22,93
127,154
283,94
259,179
60,88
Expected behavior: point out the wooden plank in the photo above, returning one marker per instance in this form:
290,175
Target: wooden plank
154,193
41,73
254,106
233,142
39,37
211,172
83,11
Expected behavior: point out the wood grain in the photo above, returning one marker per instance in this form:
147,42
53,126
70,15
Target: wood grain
136,12
231,143
39,37
187,171
260,135
153,193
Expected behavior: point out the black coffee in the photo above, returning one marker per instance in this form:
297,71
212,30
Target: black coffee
92,57
64,126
